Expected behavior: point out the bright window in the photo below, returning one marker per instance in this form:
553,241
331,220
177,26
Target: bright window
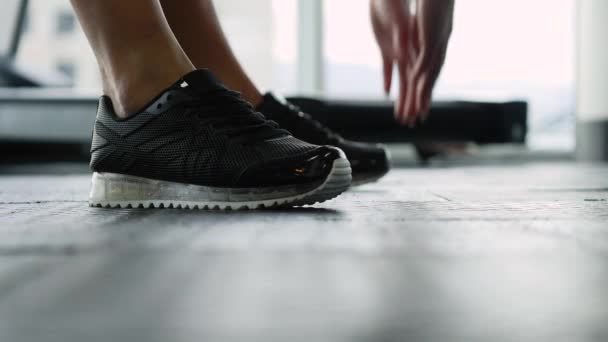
501,50
262,33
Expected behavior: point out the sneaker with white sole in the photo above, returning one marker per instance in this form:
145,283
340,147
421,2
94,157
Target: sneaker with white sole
199,145
369,162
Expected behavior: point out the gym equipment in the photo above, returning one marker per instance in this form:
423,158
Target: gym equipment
478,122
33,110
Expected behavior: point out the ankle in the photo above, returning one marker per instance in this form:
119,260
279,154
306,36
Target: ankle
129,95
134,81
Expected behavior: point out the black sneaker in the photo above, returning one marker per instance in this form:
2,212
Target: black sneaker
369,162
199,145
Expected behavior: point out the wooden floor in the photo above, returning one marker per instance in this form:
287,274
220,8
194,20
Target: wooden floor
483,253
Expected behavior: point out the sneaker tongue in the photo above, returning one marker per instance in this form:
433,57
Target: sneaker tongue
271,105
202,79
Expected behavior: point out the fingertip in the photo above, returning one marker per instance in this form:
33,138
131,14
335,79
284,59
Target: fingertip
388,74
387,87
397,109
420,92
406,123
424,116
426,109
400,117
409,112
414,120
396,113
403,117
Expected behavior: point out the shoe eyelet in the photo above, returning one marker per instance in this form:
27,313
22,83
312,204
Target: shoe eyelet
159,106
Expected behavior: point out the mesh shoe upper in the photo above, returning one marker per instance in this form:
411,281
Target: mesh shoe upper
365,158
199,132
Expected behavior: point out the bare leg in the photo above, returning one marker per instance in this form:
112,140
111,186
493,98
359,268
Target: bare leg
137,53
198,30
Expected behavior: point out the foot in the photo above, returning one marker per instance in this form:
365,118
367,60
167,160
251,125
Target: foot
369,162
199,145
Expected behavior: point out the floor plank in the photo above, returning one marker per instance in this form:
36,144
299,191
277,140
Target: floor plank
481,253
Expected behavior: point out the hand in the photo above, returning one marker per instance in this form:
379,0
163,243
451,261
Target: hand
417,43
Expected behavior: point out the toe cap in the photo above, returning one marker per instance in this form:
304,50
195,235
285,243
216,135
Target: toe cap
312,167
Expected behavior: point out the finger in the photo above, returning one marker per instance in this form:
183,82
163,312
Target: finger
416,38
425,95
408,96
415,107
422,94
402,45
409,92
402,53
423,98
408,106
427,83
434,25
388,73
403,87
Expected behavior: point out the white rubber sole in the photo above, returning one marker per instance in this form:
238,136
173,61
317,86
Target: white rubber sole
110,190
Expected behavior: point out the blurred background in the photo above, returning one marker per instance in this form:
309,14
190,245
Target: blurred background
500,51
490,231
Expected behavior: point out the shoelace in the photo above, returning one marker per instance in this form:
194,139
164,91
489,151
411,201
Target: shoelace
229,114
300,118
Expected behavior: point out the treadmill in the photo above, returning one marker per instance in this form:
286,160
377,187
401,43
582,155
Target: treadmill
35,106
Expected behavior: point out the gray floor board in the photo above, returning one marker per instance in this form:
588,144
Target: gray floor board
483,253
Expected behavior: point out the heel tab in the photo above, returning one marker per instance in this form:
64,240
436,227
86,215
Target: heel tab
105,107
